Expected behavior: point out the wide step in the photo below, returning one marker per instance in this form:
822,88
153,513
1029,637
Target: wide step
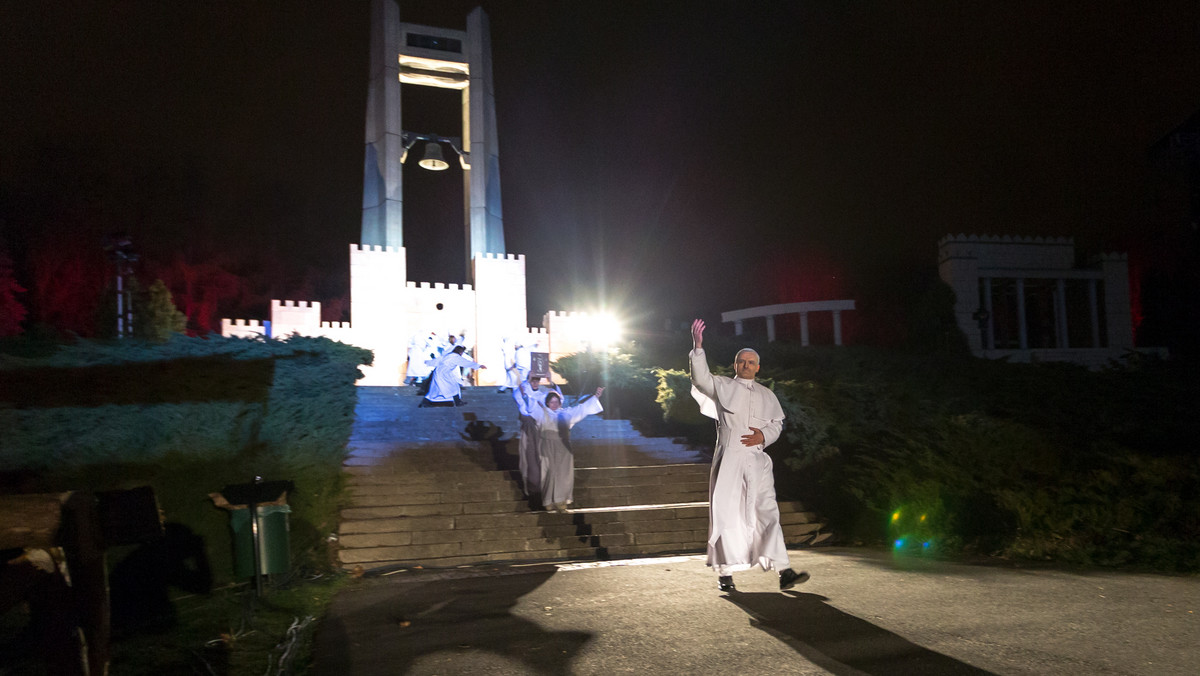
424,490
600,534
641,485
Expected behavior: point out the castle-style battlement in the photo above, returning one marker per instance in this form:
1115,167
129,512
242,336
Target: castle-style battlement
438,286
374,248
251,323
335,325
1003,239
243,328
295,303
500,257
989,251
564,313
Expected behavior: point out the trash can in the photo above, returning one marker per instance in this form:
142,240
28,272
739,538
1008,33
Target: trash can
273,540
269,501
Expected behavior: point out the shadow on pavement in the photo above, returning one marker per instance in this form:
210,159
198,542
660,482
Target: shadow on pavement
842,643
385,629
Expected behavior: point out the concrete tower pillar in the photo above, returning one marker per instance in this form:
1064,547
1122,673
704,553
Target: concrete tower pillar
485,218
383,200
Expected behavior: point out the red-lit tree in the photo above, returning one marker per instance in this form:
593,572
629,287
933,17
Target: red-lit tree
68,276
201,288
12,312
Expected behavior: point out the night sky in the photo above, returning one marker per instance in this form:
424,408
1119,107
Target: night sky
663,158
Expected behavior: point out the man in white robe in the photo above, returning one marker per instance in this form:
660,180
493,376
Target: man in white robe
445,387
743,516
465,375
529,395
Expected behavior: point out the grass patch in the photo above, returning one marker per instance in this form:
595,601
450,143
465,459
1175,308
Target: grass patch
231,632
188,418
227,632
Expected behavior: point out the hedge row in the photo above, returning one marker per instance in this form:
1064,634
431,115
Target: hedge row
186,417
1042,461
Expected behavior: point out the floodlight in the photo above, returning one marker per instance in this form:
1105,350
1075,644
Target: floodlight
605,331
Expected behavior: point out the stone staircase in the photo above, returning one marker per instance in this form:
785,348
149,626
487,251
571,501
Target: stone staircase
427,489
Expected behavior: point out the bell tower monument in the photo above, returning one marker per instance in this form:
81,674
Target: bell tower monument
403,53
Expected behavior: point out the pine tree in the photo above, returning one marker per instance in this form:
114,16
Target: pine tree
12,312
158,318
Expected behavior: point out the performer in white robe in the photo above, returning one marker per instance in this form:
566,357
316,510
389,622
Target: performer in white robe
554,425
418,353
521,361
445,387
512,378
529,395
743,521
465,375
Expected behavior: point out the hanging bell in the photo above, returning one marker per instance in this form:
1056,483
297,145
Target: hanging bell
433,159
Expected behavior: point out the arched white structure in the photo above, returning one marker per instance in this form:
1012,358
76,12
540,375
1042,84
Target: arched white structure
802,309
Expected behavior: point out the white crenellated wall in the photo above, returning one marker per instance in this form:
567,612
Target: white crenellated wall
243,328
387,310
378,279
292,316
569,332
499,310
992,251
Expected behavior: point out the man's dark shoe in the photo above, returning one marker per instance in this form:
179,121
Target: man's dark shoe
789,578
725,583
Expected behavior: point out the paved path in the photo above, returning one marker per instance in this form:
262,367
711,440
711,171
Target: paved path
862,613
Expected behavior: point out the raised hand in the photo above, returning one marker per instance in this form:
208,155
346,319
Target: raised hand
599,391
698,334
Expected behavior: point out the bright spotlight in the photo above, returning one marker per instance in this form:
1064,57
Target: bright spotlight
605,331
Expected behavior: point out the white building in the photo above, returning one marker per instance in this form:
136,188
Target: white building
1024,299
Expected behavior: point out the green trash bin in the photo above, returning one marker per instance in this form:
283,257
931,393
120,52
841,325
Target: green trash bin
273,540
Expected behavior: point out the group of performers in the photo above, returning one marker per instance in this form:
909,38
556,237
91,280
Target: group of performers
744,526
439,368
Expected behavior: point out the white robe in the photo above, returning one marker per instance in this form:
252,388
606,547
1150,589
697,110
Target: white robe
521,363
528,399
418,353
512,376
743,516
554,447
446,383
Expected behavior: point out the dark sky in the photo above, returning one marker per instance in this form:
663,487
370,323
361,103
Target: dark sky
663,157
